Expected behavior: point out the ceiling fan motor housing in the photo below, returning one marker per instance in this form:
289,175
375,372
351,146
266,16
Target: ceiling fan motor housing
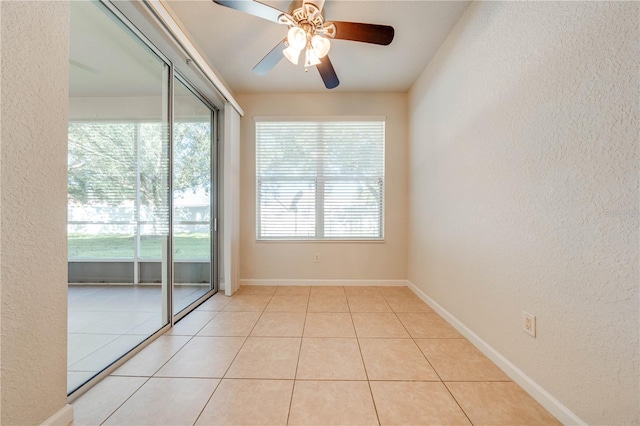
298,4
308,16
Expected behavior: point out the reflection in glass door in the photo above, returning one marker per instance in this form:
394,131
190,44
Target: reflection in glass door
141,192
193,192
119,186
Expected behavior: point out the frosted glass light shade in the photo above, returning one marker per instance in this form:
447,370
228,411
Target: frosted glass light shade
297,38
291,54
320,45
311,58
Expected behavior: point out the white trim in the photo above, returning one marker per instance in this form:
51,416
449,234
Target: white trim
231,199
323,241
536,391
64,417
305,282
320,118
130,284
177,32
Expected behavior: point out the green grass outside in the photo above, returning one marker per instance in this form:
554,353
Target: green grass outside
185,246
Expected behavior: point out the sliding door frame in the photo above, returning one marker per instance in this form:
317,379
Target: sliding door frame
168,301
213,196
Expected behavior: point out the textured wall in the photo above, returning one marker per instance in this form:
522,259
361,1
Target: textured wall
524,192
338,260
34,82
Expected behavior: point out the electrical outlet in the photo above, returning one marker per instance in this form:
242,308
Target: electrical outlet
529,323
316,258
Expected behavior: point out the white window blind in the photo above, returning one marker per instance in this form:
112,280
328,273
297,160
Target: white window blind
320,180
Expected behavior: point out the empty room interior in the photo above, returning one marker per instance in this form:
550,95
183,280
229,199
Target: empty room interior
319,212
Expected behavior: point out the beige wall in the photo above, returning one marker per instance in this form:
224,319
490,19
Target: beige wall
523,192
338,260
33,203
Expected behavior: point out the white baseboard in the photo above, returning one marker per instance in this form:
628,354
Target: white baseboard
131,284
64,417
346,283
537,392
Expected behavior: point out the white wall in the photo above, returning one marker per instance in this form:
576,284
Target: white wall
524,192
33,207
338,260
229,211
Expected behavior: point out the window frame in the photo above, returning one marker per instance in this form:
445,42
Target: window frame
320,182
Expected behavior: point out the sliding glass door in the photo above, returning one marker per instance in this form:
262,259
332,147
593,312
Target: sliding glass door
141,192
193,196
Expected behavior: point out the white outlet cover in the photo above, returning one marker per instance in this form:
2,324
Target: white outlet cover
529,323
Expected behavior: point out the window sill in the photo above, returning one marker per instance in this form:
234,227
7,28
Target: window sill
293,241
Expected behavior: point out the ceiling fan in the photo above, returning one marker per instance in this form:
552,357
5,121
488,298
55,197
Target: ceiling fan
309,33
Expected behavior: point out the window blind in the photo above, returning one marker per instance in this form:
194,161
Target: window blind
320,180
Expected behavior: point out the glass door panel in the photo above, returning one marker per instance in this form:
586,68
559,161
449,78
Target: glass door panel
192,197
118,191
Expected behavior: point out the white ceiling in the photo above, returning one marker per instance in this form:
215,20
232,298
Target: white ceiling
104,60
234,42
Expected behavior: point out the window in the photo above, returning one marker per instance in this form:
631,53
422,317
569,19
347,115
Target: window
320,180
118,208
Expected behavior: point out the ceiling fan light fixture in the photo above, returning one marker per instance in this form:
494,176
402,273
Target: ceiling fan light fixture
310,58
286,19
297,38
328,30
320,46
291,54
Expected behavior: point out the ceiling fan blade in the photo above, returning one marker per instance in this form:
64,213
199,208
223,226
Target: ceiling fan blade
328,74
366,33
254,8
271,60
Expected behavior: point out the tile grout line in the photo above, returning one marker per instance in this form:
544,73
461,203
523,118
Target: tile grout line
302,337
295,374
234,358
454,398
117,336
247,336
208,400
207,323
148,378
159,368
442,381
191,337
220,380
375,407
125,401
432,367
429,362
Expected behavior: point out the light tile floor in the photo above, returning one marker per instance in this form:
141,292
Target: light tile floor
310,356
107,321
